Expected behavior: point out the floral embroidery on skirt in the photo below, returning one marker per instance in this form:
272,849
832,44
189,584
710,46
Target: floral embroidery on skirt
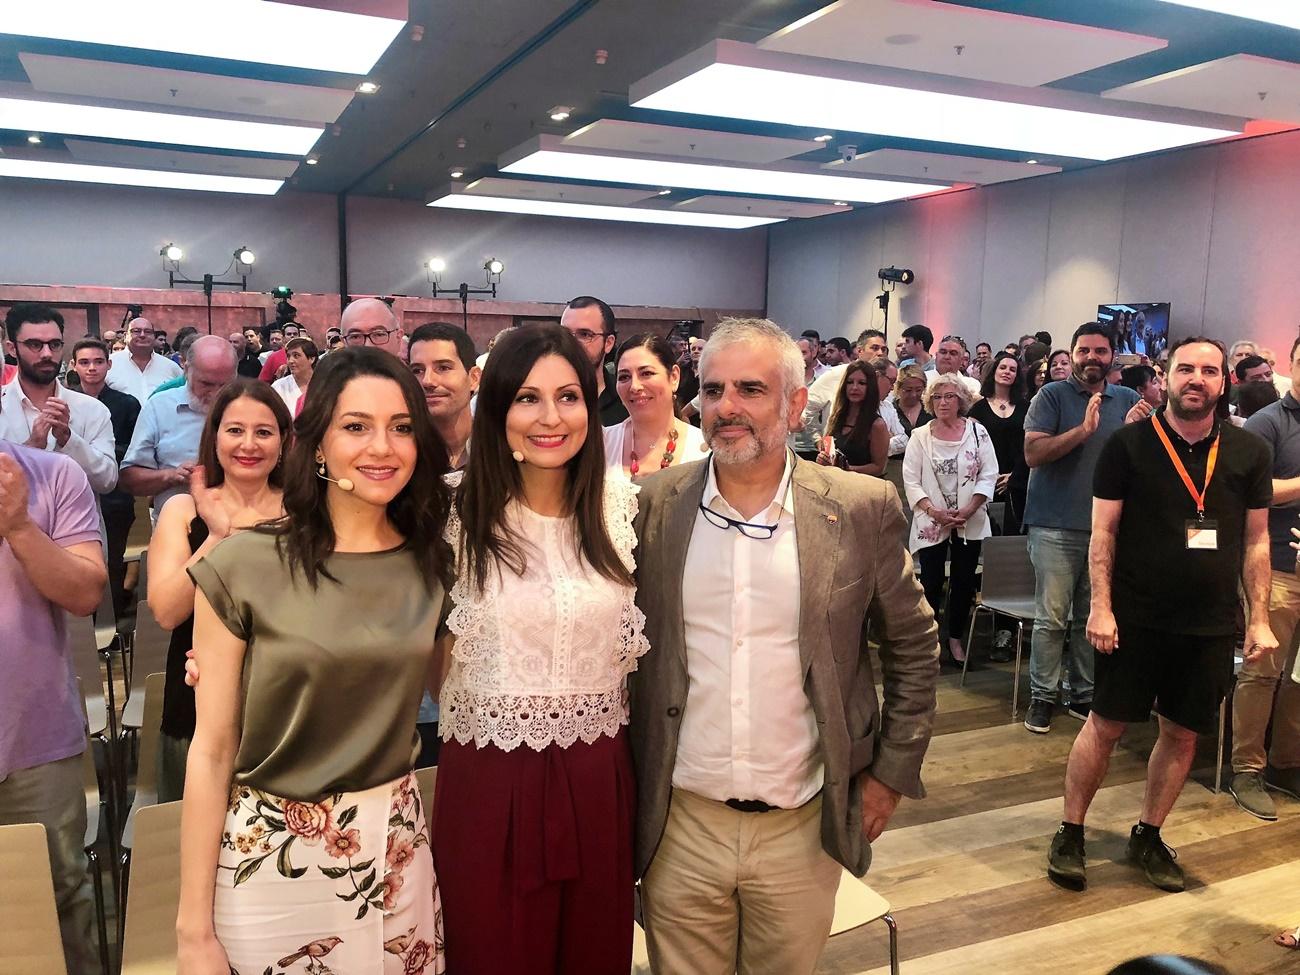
343,886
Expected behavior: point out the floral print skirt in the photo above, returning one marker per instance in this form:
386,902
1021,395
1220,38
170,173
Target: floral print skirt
344,886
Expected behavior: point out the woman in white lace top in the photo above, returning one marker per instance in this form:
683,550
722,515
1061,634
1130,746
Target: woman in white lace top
536,797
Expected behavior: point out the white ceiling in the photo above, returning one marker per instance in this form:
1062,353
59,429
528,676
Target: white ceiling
1230,85
668,140
757,207
922,35
148,157
205,92
527,189
941,166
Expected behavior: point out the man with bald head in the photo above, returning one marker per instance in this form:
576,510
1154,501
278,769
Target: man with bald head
138,370
370,320
165,447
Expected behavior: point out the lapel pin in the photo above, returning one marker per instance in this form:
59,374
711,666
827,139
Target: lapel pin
832,519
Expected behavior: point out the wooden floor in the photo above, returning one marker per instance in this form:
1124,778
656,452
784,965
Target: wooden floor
964,869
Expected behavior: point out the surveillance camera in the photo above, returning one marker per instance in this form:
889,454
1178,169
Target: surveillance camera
848,153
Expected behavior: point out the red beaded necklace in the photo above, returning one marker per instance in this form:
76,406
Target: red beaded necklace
665,461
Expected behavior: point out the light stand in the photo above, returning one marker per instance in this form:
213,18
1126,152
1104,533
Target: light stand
242,260
890,278
492,269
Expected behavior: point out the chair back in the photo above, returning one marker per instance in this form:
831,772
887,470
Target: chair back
31,923
149,943
1008,575
428,778
146,773
856,904
149,656
84,646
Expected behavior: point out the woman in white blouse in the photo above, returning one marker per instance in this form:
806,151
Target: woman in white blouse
536,796
950,470
652,437
300,355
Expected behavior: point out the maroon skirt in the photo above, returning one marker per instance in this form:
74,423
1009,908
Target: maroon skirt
533,852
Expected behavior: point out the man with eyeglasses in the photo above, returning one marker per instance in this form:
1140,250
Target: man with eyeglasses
40,412
592,323
369,321
138,370
765,765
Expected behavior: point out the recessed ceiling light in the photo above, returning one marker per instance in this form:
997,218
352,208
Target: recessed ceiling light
560,113
368,87
824,137
550,158
1032,162
312,160
734,80
169,129
34,139
664,192
593,211
294,35
840,203
1285,13
457,172
78,173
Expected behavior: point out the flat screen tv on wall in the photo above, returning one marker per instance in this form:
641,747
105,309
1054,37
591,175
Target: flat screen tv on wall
1141,327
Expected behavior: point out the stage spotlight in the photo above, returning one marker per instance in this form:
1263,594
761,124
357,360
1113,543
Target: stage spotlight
171,253
897,275
244,256
494,267
436,264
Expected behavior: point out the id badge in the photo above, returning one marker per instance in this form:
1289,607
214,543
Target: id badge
1202,535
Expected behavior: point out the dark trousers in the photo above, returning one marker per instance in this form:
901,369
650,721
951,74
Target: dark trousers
430,744
117,526
961,585
534,857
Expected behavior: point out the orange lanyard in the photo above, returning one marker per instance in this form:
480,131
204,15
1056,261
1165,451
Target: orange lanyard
1197,496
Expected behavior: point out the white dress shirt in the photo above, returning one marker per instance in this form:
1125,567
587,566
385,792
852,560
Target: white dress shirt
90,443
897,435
125,376
821,395
287,388
748,730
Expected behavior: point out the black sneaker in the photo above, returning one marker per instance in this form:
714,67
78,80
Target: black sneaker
1039,718
1157,861
1066,866
1079,709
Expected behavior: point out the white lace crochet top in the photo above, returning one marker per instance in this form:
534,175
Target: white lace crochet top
542,658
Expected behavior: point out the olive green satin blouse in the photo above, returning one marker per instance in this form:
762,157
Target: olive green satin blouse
333,676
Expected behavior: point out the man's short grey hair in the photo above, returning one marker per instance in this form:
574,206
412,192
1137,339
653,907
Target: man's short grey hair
1243,344
950,380
732,331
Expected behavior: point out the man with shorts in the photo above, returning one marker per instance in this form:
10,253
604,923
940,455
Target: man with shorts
1179,520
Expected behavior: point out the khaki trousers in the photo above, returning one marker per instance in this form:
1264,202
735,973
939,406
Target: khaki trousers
732,892
52,795
1257,687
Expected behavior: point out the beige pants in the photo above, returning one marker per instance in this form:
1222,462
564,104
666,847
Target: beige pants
1253,700
52,795
739,892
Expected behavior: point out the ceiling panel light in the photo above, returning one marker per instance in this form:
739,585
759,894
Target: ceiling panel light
1285,13
824,137
34,139
368,88
117,176
560,113
139,126
735,80
545,156
293,35
591,211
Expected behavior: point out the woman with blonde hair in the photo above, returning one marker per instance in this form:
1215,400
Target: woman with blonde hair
950,471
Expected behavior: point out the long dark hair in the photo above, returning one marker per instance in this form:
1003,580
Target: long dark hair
868,410
989,386
305,535
239,388
652,343
492,478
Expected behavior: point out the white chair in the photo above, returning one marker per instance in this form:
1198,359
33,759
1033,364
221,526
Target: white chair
857,904
146,777
149,939
31,922
1007,587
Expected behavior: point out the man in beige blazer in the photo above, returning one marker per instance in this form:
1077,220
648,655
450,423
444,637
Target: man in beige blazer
764,760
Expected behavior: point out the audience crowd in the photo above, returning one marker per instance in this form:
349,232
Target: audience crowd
619,589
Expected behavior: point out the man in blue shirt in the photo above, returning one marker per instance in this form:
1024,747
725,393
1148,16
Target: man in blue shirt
1067,425
165,446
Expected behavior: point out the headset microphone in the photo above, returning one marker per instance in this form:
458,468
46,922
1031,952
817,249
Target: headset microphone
344,483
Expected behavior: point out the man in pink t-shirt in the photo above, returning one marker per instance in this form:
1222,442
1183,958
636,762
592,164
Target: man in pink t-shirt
51,564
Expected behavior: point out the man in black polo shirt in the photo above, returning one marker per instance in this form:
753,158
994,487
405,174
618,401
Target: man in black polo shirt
592,323
1179,519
